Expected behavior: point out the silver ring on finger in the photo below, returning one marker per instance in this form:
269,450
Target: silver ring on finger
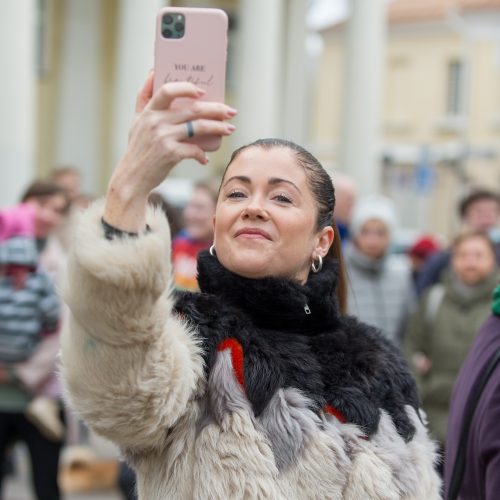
190,129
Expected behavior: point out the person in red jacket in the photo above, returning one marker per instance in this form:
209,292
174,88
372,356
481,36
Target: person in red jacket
197,236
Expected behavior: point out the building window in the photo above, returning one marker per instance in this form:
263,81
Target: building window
456,88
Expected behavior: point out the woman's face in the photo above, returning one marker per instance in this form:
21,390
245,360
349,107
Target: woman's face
473,260
373,239
265,220
49,212
199,214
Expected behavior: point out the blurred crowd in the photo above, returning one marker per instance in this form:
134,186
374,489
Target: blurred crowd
35,236
430,300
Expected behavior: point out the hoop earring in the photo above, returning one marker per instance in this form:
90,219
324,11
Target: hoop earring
316,268
212,251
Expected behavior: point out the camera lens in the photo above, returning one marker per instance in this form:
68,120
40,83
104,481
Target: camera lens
168,19
179,27
167,33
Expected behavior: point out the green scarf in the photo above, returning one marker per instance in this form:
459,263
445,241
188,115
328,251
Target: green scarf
495,307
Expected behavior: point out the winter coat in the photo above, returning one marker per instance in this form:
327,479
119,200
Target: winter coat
444,332
29,305
482,463
28,311
185,250
240,391
381,292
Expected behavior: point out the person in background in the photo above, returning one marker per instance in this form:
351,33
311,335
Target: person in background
346,194
421,250
197,236
29,316
480,478
445,324
381,289
69,179
480,210
42,207
172,213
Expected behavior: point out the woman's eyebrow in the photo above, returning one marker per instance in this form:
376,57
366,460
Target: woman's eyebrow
278,180
242,178
272,181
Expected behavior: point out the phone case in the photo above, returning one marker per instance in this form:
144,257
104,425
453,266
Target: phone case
198,57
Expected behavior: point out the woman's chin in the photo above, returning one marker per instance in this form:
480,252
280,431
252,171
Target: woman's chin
250,268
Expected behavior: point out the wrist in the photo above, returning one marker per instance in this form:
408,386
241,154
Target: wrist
125,209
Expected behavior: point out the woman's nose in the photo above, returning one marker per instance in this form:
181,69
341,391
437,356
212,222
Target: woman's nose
254,210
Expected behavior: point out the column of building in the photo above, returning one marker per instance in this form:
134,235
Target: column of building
361,142
260,63
295,111
17,99
78,114
134,59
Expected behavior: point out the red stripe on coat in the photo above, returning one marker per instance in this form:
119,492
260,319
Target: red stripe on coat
336,413
236,357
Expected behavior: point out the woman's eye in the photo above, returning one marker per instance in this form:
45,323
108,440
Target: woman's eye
283,198
236,194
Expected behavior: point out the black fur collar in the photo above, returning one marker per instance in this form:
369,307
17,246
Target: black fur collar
333,359
276,302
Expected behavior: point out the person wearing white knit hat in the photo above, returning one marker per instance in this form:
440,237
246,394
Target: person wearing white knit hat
374,207
381,292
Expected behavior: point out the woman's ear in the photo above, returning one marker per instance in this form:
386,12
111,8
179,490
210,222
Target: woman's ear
325,240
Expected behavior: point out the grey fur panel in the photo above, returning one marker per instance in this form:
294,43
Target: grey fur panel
288,423
225,395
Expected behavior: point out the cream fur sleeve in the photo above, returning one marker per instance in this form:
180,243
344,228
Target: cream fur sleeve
130,368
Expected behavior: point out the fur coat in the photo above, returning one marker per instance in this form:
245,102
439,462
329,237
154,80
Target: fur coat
250,389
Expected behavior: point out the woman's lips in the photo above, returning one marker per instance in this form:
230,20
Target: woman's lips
252,233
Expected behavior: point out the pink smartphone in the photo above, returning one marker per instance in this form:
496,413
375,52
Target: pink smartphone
191,45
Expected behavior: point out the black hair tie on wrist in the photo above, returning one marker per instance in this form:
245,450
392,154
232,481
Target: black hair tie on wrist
111,231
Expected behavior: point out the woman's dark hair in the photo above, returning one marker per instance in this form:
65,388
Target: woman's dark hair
323,192
43,189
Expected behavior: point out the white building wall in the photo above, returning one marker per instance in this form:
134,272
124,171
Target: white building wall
259,85
135,57
17,98
361,126
78,117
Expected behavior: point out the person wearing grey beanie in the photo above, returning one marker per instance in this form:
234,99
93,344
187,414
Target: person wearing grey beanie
381,291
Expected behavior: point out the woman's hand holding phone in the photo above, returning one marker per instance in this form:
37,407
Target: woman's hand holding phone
156,145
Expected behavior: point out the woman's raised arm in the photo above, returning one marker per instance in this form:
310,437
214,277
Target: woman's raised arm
132,368
156,146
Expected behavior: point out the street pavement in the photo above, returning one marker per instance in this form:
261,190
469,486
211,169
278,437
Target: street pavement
19,489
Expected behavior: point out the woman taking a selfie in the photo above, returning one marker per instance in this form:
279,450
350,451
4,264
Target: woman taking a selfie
257,387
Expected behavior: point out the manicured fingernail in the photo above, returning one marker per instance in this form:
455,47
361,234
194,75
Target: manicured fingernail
232,111
200,91
230,127
206,159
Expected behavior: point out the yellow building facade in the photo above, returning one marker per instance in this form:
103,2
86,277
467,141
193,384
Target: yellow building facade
440,105
82,62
